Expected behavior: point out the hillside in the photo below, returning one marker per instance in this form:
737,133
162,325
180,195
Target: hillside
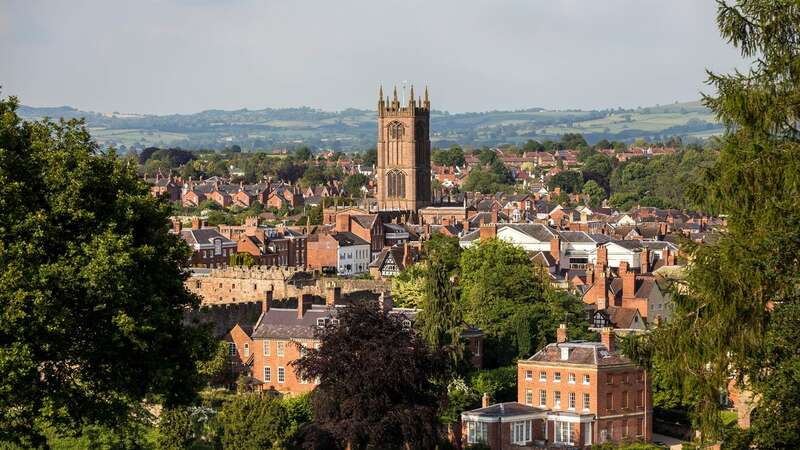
354,129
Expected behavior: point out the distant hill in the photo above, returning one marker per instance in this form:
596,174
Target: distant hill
354,129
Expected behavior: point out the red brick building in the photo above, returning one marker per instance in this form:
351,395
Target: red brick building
570,393
209,248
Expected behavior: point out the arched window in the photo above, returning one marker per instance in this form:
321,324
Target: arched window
395,184
396,130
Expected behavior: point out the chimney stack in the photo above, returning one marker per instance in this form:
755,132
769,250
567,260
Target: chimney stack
342,223
303,303
602,290
555,248
485,400
196,224
607,338
177,226
602,258
644,260
628,285
488,231
561,333
623,268
333,294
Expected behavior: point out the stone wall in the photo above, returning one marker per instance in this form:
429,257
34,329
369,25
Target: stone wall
238,285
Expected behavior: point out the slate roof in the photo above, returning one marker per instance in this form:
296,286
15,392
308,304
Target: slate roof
507,409
365,221
541,233
575,236
347,239
584,353
621,317
204,236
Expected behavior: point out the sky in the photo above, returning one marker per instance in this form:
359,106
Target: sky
184,56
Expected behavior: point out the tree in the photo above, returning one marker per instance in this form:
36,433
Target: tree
569,181
408,287
302,153
738,312
595,192
175,429
440,322
93,298
354,183
497,285
573,141
354,402
370,157
314,175
533,146
254,421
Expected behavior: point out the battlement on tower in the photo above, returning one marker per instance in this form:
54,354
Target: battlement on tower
394,108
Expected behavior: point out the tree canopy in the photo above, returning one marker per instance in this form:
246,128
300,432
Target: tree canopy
738,312
93,299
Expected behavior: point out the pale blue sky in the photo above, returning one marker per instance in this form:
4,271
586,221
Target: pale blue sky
180,56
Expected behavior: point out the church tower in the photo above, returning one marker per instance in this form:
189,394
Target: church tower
404,152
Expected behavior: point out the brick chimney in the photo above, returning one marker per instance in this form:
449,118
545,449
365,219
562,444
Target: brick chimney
628,285
177,226
196,223
602,258
342,223
303,303
488,231
607,338
494,215
644,260
601,290
333,294
555,248
561,333
485,400
465,226
623,268
589,274
267,300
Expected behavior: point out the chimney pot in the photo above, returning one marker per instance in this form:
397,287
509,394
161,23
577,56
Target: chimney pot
485,400
607,337
561,334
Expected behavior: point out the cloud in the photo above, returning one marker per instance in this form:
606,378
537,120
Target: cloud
189,55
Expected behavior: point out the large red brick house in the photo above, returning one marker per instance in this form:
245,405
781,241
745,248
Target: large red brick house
570,394
284,331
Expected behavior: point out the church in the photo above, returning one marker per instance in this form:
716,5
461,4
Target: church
404,153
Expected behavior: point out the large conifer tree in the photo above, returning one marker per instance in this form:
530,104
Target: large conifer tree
739,312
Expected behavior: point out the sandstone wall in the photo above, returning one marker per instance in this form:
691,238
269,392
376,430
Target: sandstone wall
237,285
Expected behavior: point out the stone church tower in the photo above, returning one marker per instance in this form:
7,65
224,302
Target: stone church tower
404,153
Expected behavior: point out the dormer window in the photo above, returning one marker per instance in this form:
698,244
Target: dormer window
564,353
321,322
334,322
406,324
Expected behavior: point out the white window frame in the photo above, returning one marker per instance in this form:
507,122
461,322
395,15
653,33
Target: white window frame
267,374
586,379
556,399
521,432
542,397
573,402
280,348
564,432
529,375
542,375
281,375
587,401
246,349
571,378
529,397
266,347
477,432
556,377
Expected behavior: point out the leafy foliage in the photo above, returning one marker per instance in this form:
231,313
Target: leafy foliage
353,400
93,296
254,421
739,312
